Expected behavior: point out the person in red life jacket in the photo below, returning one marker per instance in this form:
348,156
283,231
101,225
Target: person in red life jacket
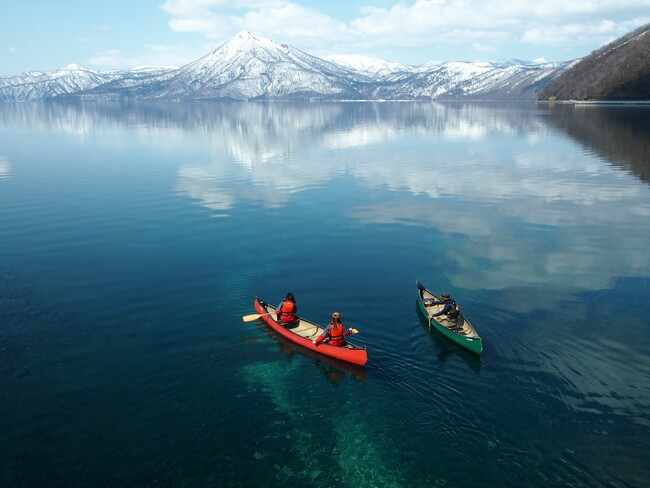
335,332
287,310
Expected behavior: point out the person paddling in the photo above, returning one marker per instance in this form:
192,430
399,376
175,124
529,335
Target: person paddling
335,332
449,310
287,309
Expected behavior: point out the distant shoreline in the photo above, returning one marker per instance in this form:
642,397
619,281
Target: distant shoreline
596,102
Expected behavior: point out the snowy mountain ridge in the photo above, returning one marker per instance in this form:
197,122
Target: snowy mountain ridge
368,65
248,67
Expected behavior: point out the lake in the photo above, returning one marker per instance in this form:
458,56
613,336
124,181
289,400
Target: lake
133,238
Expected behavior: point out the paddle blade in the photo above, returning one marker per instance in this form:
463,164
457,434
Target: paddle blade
253,316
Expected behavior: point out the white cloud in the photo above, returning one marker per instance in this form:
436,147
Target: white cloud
161,55
294,21
202,7
578,33
480,27
279,19
456,21
208,26
152,55
112,59
483,48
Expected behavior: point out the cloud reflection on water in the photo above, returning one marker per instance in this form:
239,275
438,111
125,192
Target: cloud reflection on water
480,168
488,176
5,168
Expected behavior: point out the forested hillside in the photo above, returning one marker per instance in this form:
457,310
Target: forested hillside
617,71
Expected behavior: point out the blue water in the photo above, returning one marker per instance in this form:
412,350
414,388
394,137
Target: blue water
134,238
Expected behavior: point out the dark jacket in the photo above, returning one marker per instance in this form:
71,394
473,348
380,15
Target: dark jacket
448,309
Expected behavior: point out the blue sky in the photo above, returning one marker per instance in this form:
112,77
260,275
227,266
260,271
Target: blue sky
45,35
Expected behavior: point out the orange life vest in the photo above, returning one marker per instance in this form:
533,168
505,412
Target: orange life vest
288,309
336,332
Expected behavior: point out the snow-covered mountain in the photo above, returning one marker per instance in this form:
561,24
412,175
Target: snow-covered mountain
431,82
252,68
36,85
507,81
371,67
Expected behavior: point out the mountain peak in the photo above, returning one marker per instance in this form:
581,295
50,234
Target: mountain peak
245,35
245,40
75,67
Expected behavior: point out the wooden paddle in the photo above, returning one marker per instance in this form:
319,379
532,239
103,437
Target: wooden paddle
253,316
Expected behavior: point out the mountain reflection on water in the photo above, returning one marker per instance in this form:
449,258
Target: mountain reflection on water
619,133
485,160
257,132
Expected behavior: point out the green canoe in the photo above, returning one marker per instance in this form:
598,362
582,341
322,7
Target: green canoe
459,331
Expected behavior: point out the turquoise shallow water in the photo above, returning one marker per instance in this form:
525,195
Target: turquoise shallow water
134,238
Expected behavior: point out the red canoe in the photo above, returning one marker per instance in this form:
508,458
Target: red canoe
302,332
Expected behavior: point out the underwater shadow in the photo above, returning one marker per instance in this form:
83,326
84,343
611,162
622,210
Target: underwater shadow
448,348
333,369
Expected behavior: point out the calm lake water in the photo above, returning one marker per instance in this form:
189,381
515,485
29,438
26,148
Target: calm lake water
134,238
